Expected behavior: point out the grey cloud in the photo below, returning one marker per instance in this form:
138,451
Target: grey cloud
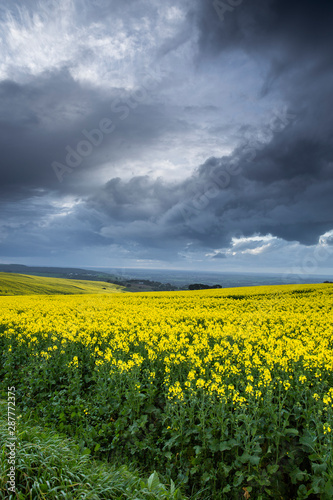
275,25
294,203
279,174
42,119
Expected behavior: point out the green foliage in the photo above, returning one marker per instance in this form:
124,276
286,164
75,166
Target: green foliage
51,466
204,444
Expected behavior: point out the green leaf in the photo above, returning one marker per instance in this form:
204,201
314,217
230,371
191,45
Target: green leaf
226,489
254,460
224,446
153,481
302,491
329,489
308,440
240,479
318,468
318,484
291,431
97,447
245,457
233,443
272,469
297,475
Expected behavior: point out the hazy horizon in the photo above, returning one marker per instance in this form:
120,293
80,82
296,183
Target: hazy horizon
180,277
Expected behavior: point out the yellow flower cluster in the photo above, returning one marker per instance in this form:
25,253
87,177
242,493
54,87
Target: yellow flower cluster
326,428
232,344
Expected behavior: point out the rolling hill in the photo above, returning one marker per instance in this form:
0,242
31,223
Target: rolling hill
21,284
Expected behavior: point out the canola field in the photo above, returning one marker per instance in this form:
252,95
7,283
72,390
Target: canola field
228,391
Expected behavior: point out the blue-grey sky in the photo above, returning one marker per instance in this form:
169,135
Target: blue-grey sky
177,134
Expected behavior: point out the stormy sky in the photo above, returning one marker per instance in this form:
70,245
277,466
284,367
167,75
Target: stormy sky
177,134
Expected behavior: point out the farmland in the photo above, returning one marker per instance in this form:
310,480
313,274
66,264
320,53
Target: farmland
228,392
22,284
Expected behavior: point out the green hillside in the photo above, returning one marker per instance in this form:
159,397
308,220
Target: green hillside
21,284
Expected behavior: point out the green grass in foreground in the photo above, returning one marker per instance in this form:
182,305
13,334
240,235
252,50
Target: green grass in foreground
21,284
49,466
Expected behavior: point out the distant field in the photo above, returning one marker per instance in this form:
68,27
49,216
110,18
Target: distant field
21,284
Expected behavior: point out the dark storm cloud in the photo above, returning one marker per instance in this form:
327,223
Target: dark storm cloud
281,188
276,181
43,122
46,105
33,127
240,209
298,28
286,189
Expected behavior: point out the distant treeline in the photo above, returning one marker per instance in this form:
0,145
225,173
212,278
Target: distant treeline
200,286
153,285
138,284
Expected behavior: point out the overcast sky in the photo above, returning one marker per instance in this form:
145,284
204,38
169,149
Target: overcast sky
185,134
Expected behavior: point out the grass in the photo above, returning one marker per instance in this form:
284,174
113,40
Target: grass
51,466
21,284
